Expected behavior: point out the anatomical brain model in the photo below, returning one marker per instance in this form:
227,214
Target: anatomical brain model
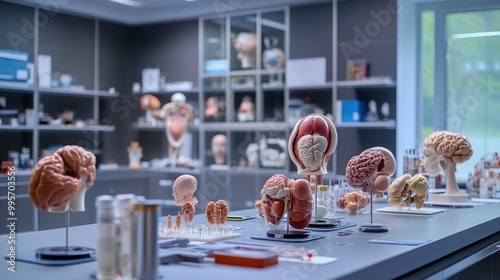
311,144
407,190
361,169
59,181
443,150
282,195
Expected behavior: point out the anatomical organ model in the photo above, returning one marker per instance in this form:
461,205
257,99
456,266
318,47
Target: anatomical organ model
282,195
311,143
58,184
178,115
370,171
407,190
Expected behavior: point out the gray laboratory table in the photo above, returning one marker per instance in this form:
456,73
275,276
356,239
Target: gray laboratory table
458,237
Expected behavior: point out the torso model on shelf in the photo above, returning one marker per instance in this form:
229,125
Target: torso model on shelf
178,115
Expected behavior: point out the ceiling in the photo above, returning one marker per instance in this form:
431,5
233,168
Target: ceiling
152,11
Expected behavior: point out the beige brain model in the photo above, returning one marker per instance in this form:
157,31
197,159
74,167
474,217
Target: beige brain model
57,178
361,169
449,144
216,212
407,190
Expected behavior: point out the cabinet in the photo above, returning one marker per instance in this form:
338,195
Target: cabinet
242,60
244,97
62,106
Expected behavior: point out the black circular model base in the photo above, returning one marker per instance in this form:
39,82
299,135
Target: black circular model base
290,234
373,228
324,223
63,253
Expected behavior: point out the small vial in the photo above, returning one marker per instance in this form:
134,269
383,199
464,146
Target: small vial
105,238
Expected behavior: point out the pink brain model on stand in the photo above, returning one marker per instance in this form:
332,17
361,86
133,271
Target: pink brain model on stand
311,144
57,178
361,169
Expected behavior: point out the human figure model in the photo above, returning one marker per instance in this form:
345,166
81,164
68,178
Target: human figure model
178,115
134,155
246,112
442,151
219,147
183,191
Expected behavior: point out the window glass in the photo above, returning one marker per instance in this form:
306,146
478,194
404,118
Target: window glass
427,72
473,81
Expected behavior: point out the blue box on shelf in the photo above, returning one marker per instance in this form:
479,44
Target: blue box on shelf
216,66
353,110
13,66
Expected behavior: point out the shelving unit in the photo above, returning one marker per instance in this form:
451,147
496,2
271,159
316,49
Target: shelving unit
71,52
